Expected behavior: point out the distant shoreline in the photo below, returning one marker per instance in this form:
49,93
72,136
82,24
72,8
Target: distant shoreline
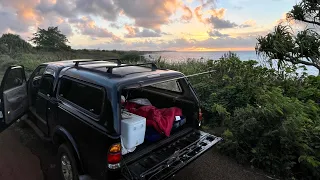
178,56
193,51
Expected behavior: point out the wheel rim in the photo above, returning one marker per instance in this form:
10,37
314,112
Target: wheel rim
66,167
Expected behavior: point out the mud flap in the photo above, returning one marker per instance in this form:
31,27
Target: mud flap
171,157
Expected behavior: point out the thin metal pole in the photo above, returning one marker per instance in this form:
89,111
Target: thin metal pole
142,83
200,73
191,75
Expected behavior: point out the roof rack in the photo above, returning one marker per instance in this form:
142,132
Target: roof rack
153,66
77,62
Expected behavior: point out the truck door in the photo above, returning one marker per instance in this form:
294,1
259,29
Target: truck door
43,97
14,96
34,83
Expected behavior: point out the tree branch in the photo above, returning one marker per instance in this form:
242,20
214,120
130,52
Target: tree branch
312,22
306,63
297,61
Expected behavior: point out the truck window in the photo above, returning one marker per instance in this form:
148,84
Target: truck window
46,84
169,85
40,71
15,78
83,95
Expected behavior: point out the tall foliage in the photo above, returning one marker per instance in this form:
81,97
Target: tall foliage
13,43
302,48
50,39
271,118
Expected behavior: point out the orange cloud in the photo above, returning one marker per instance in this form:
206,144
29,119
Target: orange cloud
24,9
187,13
219,13
87,26
171,5
284,19
88,22
198,10
60,20
150,14
250,23
198,13
130,30
121,13
28,14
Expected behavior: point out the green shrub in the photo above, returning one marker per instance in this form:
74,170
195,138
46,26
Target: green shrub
279,135
6,61
32,60
131,56
272,117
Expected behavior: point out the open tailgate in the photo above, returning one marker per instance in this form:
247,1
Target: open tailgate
169,156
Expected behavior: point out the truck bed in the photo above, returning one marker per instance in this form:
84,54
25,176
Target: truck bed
163,159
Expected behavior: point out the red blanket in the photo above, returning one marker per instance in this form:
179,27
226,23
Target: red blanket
161,119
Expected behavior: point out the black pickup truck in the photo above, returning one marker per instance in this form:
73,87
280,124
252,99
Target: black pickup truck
76,104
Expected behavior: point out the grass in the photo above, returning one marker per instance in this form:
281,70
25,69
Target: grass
31,60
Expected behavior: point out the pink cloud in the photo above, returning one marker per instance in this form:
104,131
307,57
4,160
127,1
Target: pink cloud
198,13
187,16
87,26
149,14
250,22
219,13
137,32
131,30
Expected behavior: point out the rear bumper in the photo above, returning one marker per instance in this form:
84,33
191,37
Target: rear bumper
85,177
109,175
171,157
165,159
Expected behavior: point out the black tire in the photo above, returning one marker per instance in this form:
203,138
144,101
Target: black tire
66,151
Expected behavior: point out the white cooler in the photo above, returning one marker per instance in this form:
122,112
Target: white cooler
133,129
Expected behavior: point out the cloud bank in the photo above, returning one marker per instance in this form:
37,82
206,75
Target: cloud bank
128,24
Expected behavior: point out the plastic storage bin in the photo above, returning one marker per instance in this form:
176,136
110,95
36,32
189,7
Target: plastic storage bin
133,129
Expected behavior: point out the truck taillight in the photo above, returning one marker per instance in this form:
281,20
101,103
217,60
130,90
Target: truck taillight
115,148
114,156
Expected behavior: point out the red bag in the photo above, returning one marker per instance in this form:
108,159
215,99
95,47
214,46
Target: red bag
161,119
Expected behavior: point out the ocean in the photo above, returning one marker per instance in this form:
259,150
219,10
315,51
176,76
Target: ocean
180,56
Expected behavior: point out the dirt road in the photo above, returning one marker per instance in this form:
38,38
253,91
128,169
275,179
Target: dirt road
23,156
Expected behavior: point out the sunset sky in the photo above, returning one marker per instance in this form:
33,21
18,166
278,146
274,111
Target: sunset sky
183,25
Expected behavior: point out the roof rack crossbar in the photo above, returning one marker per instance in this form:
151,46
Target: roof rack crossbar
115,60
153,66
77,62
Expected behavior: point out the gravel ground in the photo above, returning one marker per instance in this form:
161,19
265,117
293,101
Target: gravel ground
23,156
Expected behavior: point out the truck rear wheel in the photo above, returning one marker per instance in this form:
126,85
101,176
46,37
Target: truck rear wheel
67,163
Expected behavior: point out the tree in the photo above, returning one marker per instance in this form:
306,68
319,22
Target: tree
13,43
301,48
51,39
